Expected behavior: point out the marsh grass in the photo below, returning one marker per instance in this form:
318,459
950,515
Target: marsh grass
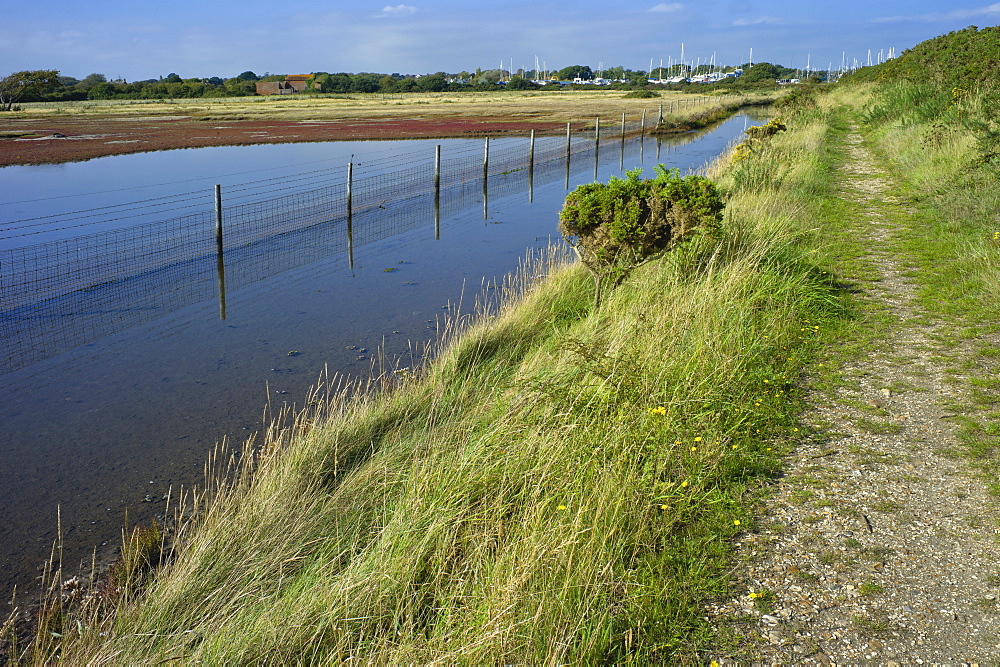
560,484
560,106
708,111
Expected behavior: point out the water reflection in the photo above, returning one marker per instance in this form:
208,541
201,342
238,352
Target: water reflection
68,293
115,391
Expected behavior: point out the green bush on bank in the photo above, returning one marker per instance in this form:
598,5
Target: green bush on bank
615,226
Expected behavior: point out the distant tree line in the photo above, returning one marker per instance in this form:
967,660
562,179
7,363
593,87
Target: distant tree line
50,86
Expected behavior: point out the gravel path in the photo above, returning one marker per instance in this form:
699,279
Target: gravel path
877,546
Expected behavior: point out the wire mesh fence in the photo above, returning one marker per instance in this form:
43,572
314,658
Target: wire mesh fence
63,293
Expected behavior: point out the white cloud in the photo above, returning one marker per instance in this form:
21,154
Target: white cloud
934,17
667,7
398,10
762,20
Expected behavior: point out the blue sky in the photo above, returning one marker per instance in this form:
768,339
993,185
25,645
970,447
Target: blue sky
141,39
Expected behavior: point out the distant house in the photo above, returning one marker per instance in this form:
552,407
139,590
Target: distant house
293,83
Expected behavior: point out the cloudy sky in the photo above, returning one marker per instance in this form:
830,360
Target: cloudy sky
139,39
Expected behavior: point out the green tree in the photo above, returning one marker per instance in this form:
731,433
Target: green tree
432,83
339,83
365,83
520,83
762,72
28,83
247,76
102,91
407,85
387,84
573,71
614,73
318,83
238,87
489,76
91,80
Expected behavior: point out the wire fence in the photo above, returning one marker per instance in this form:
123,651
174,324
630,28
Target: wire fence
60,294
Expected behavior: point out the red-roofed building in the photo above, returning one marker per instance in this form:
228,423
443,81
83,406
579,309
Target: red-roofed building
293,83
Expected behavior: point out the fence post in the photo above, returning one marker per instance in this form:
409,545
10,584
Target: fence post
350,184
437,192
623,126
531,168
642,123
218,217
660,117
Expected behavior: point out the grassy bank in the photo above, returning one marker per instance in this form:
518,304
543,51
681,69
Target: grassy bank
560,484
686,119
563,482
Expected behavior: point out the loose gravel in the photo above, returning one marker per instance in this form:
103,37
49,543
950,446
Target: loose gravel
879,545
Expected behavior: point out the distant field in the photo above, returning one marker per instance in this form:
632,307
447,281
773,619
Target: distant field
561,105
70,131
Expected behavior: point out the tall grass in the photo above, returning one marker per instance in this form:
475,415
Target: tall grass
715,110
949,158
561,484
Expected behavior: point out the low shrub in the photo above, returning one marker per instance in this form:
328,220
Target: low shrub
615,226
641,94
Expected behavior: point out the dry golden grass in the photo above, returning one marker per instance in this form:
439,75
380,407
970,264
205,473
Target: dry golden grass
544,105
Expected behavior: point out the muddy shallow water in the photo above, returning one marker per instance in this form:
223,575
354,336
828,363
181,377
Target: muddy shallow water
67,139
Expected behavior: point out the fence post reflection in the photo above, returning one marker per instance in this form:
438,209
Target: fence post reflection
437,192
220,264
621,159
486,169
597,143
531,168
350,217
568,153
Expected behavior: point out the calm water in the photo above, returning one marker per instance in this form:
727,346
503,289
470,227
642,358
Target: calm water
120,394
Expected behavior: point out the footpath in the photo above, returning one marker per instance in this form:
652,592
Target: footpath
880,544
